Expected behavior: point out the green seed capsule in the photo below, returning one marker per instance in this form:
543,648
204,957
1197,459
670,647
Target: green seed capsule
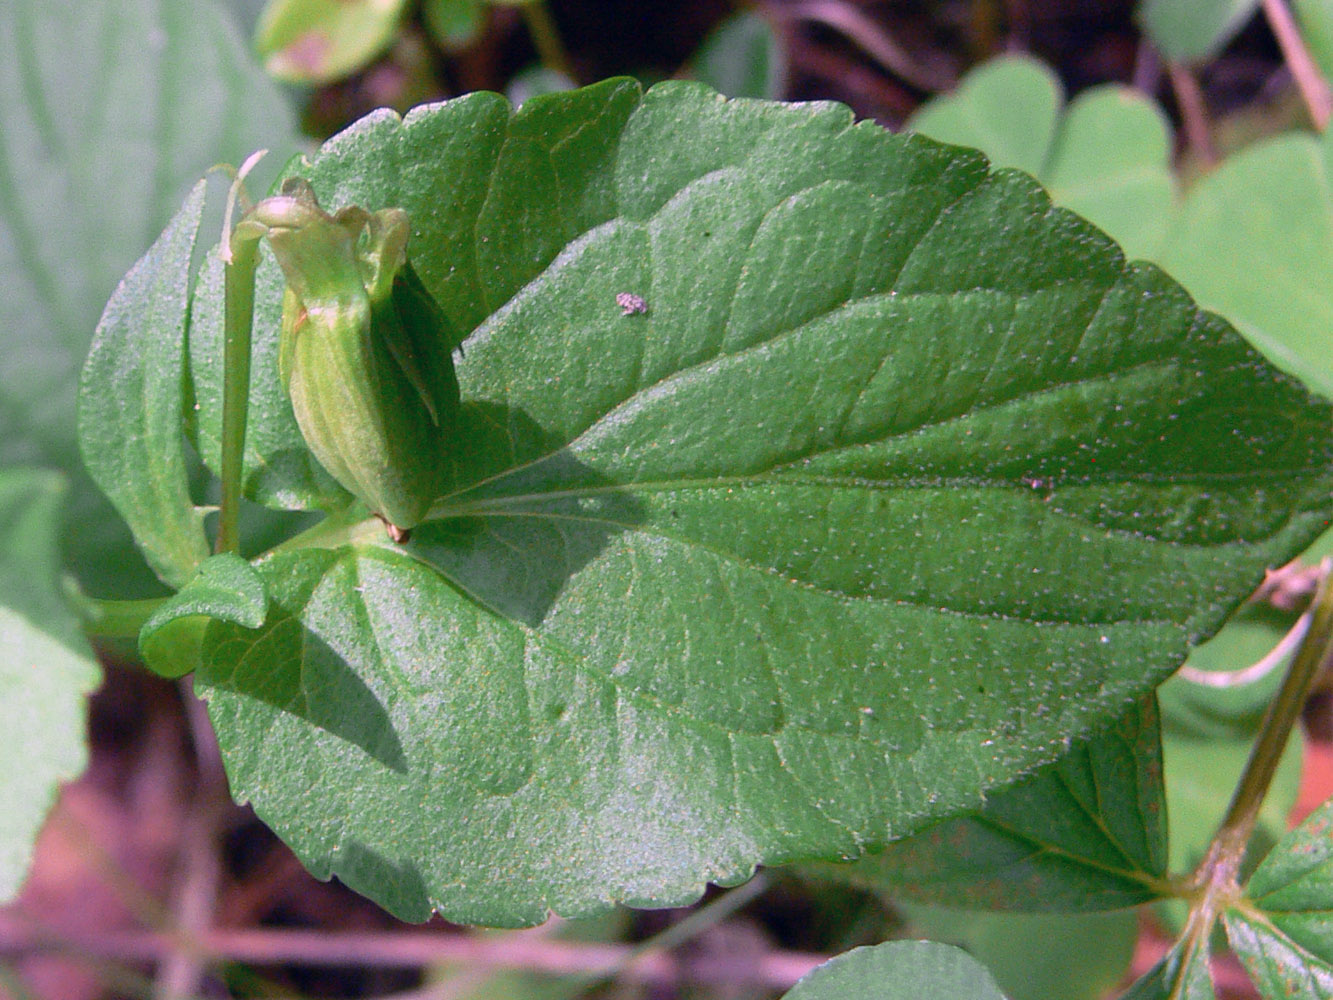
365,352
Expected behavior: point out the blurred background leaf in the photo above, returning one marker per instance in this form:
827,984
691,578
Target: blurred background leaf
81,117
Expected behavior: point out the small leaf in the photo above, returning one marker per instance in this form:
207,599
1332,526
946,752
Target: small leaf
1007,107
535,81
743,57
227,588
1105,156
1279,966
318,41
130,419
46,669
1182,975
1284,934
898,970
1086,833
1048,956
1193,30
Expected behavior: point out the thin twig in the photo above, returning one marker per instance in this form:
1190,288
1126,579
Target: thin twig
1193,113
405,949
1147,69
181,974
1255,671
1309,81
870,38
546,38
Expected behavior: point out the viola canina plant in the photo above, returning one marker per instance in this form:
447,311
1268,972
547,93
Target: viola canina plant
704,484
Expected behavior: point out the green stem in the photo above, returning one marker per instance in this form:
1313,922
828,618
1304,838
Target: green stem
1216,879
546,37
1275,730
240,301
111,619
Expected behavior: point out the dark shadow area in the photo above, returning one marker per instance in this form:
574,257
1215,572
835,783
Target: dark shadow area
296,671
398,887
538,523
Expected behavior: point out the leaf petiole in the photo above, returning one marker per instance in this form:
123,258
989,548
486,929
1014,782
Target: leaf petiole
240,250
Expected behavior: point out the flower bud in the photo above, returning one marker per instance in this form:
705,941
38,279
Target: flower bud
365,352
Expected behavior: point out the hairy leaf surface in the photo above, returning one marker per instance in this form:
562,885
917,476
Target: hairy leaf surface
900,480
1086,833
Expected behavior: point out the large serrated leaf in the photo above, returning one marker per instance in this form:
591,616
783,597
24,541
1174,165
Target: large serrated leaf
109,112
782,567
46,668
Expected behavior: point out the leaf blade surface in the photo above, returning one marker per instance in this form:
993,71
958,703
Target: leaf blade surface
726,584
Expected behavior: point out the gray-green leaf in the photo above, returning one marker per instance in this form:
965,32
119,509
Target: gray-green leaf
1193,30
743,57
46,668
1106,155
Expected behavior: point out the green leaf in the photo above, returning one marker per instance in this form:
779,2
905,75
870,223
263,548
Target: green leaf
1193,30
226,588
1182,975
1105,156
1253,243
1202,712
1280,967
898,970
98,151
1316,26
718,584
318,41
743,57
454,24
1086,833
46,669
1007,107
1039,956
1284,934
130,412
